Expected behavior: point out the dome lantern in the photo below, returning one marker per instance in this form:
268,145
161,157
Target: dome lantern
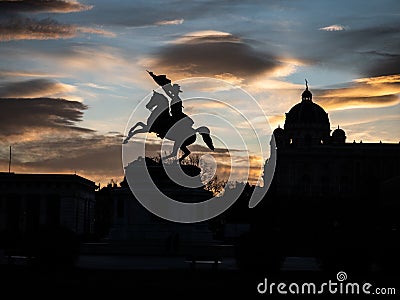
306,96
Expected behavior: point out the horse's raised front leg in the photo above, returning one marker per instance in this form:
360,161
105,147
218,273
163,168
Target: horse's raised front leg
132,131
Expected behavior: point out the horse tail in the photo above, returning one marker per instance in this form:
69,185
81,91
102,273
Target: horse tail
205,134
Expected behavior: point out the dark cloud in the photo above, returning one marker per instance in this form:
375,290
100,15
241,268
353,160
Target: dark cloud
54,6
24,115
18,28
374,61
381,63
31,88
210,55
358,50
21,28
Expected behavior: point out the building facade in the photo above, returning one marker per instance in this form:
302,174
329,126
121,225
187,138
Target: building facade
30,200
314,162
325,188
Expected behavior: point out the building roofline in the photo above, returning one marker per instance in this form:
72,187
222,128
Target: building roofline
48,175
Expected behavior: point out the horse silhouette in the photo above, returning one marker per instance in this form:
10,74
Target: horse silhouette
177,128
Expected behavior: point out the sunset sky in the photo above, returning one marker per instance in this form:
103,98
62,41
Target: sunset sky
72,72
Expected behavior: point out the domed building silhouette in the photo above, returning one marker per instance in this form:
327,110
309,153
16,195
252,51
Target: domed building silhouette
307,123
312,161
326,191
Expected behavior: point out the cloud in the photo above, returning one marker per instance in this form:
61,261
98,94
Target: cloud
381,63
25,73
276,120
36,6
92,30
206,36
170,22
25,116
97,157
212,53
33,88
335,27
31,29
18,28
369,51
332,103
380,79
362,93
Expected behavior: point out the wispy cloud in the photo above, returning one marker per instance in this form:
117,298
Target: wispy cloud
206,36
335,27
170,22
26,73
363,93
380,79
93,30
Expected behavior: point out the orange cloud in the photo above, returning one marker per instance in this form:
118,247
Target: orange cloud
363,93
380,79
92,30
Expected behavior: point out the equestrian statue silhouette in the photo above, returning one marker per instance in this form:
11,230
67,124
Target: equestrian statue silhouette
175,126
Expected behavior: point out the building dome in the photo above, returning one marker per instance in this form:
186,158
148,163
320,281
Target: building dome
279,132
338,136
307,123
338,133
306,112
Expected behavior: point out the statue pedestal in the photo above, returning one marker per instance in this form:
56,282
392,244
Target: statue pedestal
133,222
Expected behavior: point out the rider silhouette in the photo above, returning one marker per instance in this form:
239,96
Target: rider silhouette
172,91
168,119
176,102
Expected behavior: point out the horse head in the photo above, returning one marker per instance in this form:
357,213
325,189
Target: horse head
157,100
